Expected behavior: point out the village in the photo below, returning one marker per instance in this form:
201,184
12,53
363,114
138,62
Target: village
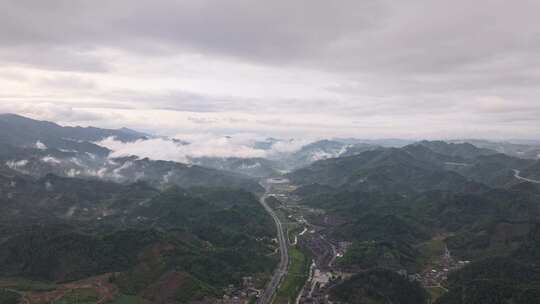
312,237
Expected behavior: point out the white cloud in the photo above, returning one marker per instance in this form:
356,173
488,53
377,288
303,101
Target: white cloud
40,145
349,68
73,172
60,112
289,146
50,160
165,149
199,145
318,155
17,165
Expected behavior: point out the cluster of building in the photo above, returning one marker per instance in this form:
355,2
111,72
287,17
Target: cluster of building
313,240
241,295
437,273
315,290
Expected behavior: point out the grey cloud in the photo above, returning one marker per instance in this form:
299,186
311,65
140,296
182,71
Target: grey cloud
52,111
178,100
277,31
52,57
445,40
393,59
72,82
417,36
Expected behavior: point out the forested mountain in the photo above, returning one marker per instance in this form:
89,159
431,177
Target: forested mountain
63,229
463,150
412,168
533,171
254,167
509,279
521,149
159,230
402,207
39,148
162,231
20,131
415,167
324,149
379,286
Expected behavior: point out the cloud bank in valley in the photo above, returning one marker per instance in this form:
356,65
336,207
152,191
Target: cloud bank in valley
199,145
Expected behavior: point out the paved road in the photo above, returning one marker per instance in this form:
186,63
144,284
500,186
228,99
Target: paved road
281,271
516,175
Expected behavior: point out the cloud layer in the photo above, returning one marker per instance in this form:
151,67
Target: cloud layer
306,68
198,145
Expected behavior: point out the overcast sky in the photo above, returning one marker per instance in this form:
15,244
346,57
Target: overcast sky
289,68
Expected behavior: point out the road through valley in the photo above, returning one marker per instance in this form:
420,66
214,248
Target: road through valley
281,271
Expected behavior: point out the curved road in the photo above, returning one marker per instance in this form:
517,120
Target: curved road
281,271
516,175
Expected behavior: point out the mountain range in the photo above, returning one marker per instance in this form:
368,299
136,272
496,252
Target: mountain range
163,231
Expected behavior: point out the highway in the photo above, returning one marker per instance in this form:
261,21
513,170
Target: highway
516,175
281,271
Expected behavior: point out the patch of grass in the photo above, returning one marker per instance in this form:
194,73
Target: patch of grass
430,250
9,297
435,293
26,285
293,230
295,279
126,299
261,279
80,296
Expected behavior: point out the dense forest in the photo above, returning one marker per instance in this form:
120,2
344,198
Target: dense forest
206,238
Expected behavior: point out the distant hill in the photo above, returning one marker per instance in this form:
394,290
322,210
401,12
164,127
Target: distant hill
521,149
417,167
533,171
38,148
463,150
391,202
412,168
379,286
254,167
324,149
512,278
179,244
20,131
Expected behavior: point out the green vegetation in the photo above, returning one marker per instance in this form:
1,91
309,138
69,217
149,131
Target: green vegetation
9,297
21,284
60,253
435,293
125,299
429,251
199,240
495,280
533,171
295,279
402,207
478,225
181,245
433,247
293,229
379,286
79,296
369,254
510,279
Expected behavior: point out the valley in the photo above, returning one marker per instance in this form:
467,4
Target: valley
332,222
283,266
269,152
518,176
